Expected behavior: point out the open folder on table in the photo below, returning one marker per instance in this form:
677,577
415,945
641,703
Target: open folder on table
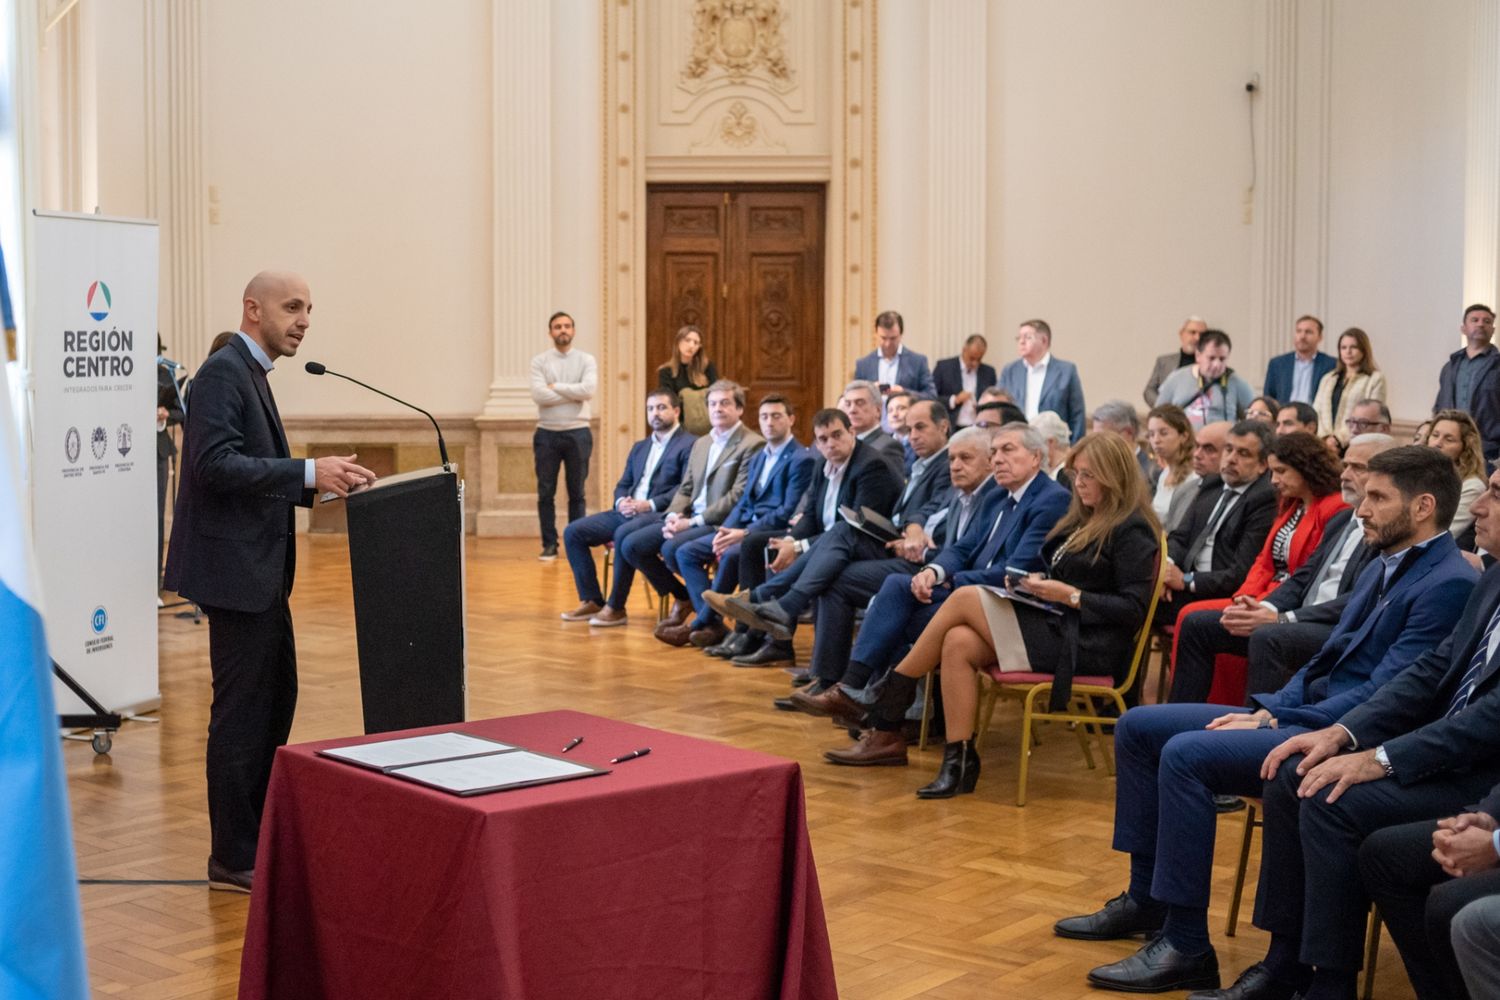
461,764
1020,598
872,523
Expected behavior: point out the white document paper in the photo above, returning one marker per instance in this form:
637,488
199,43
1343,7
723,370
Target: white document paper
416,750
475,773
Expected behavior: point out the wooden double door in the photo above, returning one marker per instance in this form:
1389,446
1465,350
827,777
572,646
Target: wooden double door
743,263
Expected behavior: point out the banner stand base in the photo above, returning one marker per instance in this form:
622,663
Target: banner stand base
104,723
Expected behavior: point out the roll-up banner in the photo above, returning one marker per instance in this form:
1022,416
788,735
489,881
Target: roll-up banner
92,355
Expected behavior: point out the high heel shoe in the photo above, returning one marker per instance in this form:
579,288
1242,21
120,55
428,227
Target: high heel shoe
958,774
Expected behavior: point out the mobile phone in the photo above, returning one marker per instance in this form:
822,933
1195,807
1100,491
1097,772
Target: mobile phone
885,387
1018,573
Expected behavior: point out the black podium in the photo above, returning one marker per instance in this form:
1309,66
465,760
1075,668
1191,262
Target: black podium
406,558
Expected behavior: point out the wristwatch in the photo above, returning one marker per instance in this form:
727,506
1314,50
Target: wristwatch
1384,760
1074,598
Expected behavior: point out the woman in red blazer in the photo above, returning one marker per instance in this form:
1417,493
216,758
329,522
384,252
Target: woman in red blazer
1306,475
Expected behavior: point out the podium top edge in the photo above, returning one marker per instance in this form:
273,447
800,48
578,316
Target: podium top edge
408,477
91,217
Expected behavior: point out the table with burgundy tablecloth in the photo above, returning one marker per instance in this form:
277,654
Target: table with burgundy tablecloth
684,873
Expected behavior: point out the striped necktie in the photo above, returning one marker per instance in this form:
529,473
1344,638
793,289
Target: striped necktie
1476,666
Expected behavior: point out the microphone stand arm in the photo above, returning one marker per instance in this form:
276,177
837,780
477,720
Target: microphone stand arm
442,447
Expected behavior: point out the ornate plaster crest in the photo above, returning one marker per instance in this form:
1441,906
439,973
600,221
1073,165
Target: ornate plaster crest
738,36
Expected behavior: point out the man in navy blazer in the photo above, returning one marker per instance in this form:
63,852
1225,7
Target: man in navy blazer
959,381
652,474
1037,381
778,476
891,365
1007,530
1172,758
1293,377
233,552
1470,380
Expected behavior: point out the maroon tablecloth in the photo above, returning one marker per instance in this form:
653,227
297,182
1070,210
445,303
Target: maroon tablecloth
686,873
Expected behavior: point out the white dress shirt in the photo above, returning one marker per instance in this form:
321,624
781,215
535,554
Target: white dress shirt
835,476
889,368
653,459
1205,560
970,380
719,441
773,452
1302,380
1035,376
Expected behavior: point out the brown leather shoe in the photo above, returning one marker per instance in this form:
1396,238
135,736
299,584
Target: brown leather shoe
609,616
678,613
224,880
674,635
710,635
832,702
582,613
874,749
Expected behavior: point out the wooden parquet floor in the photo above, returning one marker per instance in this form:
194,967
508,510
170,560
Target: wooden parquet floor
943,900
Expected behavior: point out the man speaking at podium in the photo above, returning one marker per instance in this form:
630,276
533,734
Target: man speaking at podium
233,551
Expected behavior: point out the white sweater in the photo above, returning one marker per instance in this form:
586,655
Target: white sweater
562,385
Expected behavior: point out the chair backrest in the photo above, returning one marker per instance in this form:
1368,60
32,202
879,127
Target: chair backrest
1143,637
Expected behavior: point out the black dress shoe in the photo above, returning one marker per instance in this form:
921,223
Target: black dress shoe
734,644
224,880
1228,803
1157,968
772,614
1255,983
769,654
802,678
1121,917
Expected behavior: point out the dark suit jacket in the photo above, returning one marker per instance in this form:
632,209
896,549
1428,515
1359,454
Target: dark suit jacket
1019,538
890,449
948,381
1484,405
1408,714
1062,392
925,495
941,534
667,475
231,546
1377,639
1282,368
869,481
912,373
770,509
1236,543
1293,590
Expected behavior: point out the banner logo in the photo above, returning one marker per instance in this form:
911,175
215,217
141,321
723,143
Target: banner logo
74,445
122,440
100,620
99,442
99,301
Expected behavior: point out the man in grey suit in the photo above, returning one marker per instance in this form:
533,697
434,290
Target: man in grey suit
718,470
1037,381
1192,327
891,366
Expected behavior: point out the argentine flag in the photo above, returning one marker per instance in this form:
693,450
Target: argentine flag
41,937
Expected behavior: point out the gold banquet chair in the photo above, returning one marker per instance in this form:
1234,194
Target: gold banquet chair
1089,692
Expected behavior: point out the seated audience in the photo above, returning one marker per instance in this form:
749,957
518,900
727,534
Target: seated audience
775,605
1008,530
995,409
1187,347
891,366
1419,436
1173,757
1426,745
1455,434
1355,379
1293,377
1470,381
1369,416
1058,439
653,471
850,475
969,464
1101,559
1211,551
1264,409
712,482
959,381
1119,417
1476,927
1174,483
1037,381
896,405
1305,476
1279,634
1208,448
1208,390
777,478
1296,418
862,402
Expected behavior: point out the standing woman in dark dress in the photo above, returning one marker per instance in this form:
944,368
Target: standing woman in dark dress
1101,561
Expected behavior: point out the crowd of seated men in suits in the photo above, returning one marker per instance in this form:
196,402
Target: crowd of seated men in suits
1331,637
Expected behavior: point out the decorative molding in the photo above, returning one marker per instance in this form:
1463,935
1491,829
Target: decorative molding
666,169
853,263
1481,278
705,54
957,167
185,246
739,128
738,36
521,219
1274,270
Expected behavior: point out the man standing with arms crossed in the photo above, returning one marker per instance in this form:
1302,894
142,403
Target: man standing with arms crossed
233,552
562,383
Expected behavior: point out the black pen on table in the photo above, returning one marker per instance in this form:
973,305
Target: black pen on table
632,755
572,743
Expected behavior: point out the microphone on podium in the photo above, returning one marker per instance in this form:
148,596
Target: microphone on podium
314,368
